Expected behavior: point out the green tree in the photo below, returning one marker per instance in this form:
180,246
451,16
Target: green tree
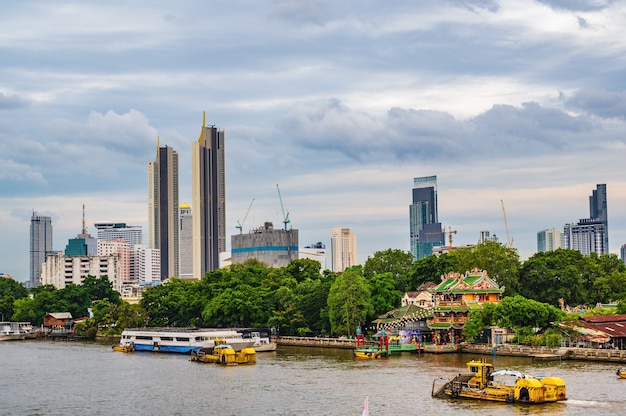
10,291
502,263
384,296
430,269
397,263
348,301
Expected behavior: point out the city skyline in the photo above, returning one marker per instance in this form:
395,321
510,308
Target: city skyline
520,101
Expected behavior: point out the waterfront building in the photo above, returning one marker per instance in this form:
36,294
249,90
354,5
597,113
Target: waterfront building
455,297
60,269
163,209
590,234
121,248
185,239
40,245
425,229
146,264
343,249
316,251
274,247
208,191
549,240
108,231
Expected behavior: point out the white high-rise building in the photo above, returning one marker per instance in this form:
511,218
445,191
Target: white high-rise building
147,263
60,270
343,249
549,240
109,231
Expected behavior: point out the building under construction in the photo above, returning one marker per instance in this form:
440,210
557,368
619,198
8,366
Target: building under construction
276,248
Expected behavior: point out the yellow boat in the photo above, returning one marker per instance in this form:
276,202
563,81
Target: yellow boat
621,373
124,348
366,353
485,383
224,354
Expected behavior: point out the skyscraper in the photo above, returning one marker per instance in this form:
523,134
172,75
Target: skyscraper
208,193
425,228
163,209
40,245
186,242
549,240
109,231
343,249
590,234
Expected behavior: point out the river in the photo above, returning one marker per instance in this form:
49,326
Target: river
71,378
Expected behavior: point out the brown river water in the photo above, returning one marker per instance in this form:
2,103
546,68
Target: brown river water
76,378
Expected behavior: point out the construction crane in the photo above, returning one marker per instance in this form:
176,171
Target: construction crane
286,219
450,232
509,240
240,224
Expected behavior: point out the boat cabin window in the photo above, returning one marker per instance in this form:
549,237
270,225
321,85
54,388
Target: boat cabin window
144,337
167,339
473,369
182,339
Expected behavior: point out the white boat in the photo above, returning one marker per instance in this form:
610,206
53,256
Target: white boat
180,340
11,331
261,337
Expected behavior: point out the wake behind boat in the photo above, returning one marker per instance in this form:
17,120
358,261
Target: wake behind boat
180,340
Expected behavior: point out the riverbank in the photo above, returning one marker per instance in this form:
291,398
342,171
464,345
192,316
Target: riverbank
540,353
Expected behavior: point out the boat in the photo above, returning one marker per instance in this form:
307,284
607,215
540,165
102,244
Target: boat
12,331
484,383
124,348
261,337
180,340
224,354
367,353
621,373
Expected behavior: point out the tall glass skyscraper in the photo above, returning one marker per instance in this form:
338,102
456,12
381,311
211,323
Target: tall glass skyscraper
40,245
425,228
208,193
591,234
163,209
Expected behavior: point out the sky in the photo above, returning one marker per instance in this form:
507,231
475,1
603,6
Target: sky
518,104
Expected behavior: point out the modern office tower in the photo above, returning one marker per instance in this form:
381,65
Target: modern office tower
590,234
343,249
274,247
60,269
40,245
109,231
185,242
315,252
425,229
163,209
147,263
549,240
622,253
121,248
208,192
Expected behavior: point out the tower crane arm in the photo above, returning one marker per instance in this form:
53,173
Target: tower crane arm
240,224
286,219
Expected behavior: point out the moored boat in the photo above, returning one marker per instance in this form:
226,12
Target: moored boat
621,373
367,353
124,348
181,340
484,383
12,331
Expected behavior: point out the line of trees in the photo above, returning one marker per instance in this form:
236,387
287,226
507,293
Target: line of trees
299,300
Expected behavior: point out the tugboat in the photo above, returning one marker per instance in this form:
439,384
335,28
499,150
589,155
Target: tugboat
224,354
484,383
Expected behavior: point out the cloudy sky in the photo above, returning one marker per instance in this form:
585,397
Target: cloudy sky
340,103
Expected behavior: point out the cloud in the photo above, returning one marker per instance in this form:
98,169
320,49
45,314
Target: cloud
315,12
598,102
472,5
12,101
578,5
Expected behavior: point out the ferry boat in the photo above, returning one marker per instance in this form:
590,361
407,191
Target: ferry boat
11,331
180,340
485,383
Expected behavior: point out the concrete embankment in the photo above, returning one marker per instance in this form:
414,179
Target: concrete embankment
536,353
